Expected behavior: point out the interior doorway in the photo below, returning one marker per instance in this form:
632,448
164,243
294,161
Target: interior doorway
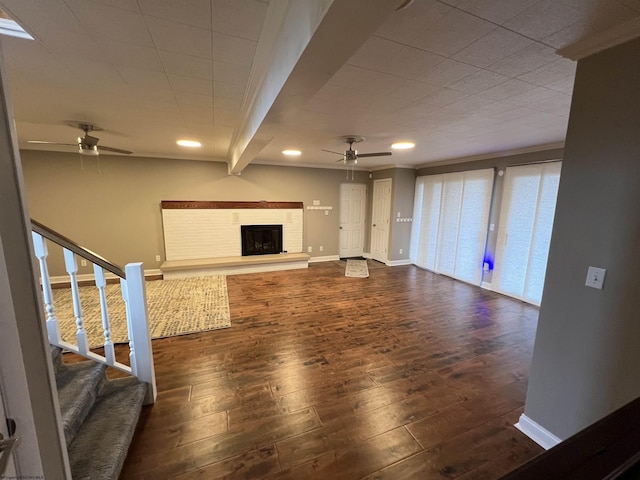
380,219
353,198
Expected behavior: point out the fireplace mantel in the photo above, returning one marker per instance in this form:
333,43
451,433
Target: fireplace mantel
197,204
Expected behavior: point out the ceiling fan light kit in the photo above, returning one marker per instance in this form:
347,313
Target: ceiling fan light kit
88,150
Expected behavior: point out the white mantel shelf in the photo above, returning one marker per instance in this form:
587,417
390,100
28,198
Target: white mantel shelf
233,265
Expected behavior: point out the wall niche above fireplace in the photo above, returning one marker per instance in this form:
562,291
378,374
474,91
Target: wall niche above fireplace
261,239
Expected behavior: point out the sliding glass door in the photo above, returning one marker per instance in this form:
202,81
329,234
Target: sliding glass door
450,223
524,232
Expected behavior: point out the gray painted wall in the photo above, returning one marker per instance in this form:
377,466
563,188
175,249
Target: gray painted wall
117,214
402,196
587,353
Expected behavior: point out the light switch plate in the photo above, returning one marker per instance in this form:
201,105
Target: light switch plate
595,277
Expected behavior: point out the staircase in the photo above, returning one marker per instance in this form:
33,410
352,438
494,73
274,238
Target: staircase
99,416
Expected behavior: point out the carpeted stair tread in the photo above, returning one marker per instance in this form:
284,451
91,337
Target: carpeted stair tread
56,357
100,446
78,386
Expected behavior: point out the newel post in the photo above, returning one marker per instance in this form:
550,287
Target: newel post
141,354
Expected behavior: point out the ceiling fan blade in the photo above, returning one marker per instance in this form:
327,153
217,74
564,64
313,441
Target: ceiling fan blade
114,150
89,140
42,142
374,154
331,151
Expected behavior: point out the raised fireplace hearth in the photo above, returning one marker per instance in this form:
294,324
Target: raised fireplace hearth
261,239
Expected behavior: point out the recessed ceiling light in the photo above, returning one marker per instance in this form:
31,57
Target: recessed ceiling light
189,143
403,145
292,153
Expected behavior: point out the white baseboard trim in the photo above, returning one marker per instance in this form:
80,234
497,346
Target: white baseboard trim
90,277
535,432
397,263
326,258
486,285
367,255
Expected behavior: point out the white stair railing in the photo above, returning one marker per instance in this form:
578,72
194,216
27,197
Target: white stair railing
72,269
132,284
101,284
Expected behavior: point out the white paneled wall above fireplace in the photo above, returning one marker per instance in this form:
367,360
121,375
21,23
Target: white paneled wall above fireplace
211,233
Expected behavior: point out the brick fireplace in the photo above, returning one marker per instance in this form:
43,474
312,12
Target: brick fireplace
212,229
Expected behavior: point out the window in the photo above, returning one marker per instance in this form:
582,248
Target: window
524,231
450,223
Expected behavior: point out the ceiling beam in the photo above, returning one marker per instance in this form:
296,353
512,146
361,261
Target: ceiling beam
599,41
302,45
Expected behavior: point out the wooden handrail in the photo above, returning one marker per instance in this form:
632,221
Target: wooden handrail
77,249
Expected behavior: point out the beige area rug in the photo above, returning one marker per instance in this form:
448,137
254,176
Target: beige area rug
175,307
357,269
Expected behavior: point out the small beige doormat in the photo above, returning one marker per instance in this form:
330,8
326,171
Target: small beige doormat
175,307
357,269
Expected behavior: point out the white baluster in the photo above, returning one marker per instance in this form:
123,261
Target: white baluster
72,269
140,351
40,249
101,283
132,346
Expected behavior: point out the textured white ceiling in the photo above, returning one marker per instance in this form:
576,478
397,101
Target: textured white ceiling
458,77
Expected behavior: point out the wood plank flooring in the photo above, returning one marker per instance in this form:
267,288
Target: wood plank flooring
403,375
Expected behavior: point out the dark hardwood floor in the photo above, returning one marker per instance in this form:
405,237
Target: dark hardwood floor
404,375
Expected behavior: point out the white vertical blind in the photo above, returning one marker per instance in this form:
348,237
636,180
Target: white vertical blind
524,232
450,223
426,220
415,231
452,189
474,220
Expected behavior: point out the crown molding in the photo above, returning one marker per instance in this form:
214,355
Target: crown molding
488,156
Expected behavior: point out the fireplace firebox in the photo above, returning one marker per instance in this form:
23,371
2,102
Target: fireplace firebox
261,239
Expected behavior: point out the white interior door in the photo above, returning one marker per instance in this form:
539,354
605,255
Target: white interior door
352,214
380,219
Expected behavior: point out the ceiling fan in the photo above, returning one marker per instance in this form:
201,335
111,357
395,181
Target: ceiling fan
351,156
87,145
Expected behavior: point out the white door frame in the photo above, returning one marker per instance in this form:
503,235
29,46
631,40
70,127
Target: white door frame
26,371
348,227
381,219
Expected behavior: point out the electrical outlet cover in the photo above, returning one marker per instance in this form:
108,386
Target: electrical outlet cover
595,277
